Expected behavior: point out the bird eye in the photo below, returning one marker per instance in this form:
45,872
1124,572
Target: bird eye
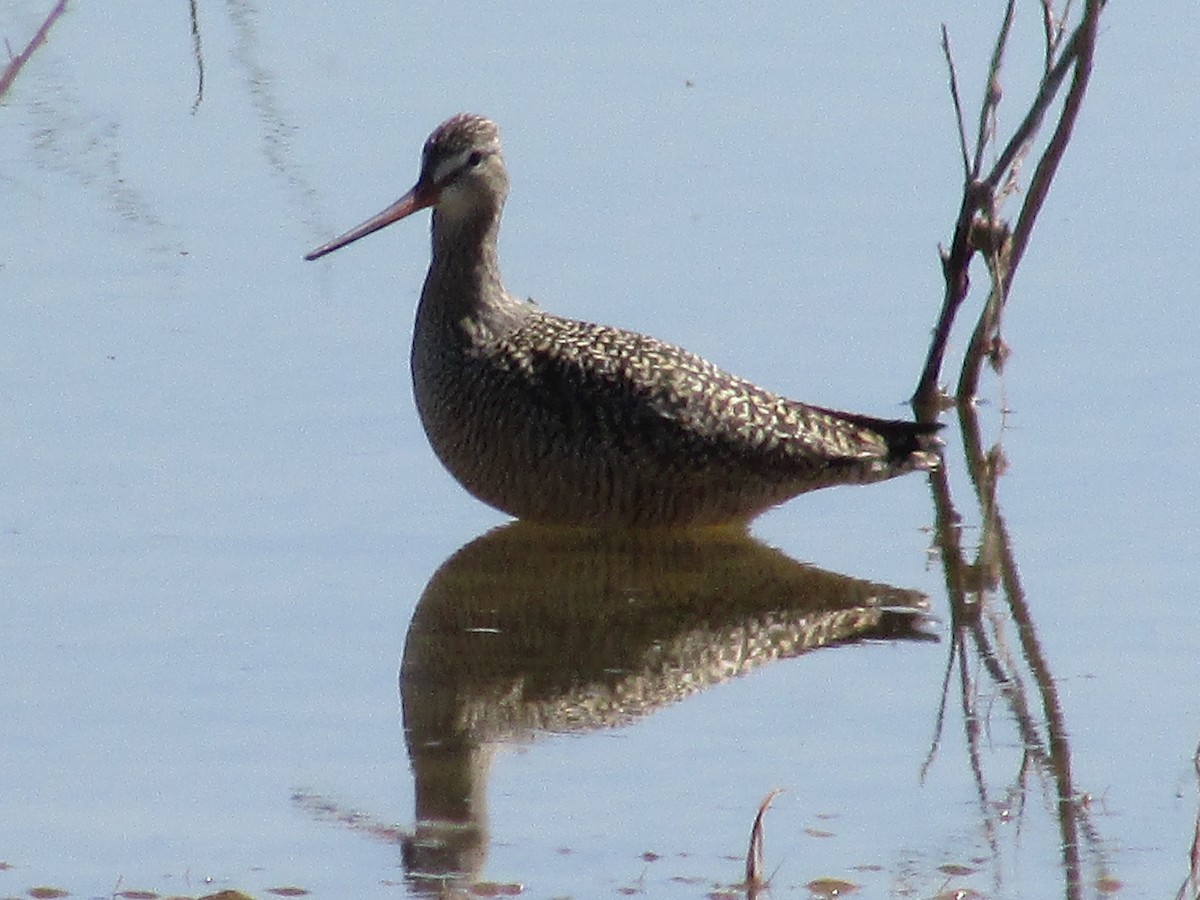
475,158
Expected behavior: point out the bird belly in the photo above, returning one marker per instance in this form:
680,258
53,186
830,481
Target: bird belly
548,456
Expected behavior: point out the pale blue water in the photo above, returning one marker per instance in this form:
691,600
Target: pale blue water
218,512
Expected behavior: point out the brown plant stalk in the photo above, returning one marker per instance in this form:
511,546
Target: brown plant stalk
979,226
16,63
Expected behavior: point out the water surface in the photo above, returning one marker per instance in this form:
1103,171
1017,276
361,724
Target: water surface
222,526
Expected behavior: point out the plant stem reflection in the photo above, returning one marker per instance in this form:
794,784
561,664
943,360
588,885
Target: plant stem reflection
988,608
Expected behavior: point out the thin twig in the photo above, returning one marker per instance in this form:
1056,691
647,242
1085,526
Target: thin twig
1051,35
978,225
1062,22
1082,48
958,112
985,340
993,92
197,54
1003,261
1037,110
956,264
1192,880
15,64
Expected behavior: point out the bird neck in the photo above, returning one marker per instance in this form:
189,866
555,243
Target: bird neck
463,289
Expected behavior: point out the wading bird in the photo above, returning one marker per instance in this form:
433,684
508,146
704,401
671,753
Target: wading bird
560,421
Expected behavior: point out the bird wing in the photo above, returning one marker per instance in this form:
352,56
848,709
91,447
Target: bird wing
641,388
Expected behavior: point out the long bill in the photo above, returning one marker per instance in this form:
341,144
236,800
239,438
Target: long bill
420,197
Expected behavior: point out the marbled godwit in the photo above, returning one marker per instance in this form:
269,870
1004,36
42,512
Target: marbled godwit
560,421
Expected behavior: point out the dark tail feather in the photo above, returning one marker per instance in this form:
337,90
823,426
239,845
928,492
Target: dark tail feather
904,438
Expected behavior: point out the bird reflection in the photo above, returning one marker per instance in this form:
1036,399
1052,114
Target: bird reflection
530,629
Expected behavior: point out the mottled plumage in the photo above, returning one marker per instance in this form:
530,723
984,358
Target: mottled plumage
557,420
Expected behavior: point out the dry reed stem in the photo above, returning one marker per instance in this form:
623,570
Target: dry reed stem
1191,884
755,880
978,226
16,63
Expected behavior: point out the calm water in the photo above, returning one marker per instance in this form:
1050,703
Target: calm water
254,637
